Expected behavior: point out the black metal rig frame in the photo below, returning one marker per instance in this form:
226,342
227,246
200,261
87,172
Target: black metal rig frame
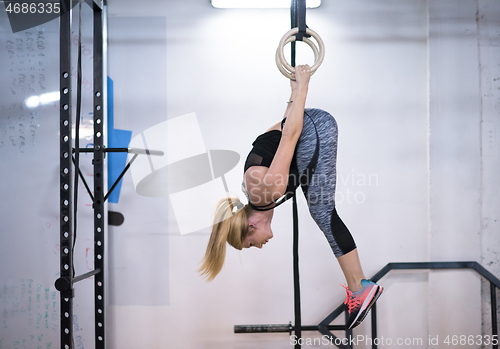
324,326
65,283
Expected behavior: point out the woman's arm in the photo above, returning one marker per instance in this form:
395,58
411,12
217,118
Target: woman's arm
293,86
295,108
275,180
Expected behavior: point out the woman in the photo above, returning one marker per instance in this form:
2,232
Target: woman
304,143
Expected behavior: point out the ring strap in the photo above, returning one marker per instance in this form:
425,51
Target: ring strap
298,19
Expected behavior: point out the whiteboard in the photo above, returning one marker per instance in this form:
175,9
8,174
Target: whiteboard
29,172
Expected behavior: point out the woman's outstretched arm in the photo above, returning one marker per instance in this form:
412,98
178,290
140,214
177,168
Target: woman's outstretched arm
276,178
295,109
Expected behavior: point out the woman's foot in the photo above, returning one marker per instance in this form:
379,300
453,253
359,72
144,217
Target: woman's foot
359,303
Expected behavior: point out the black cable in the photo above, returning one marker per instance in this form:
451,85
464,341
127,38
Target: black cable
77,129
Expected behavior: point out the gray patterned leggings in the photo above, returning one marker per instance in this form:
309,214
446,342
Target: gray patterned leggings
320,126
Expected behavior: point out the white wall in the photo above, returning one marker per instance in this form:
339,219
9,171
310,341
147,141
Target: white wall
414,88
489,51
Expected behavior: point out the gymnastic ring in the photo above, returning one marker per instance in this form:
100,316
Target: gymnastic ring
291,39
284,41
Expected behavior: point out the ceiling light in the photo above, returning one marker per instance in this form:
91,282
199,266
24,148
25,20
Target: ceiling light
260,3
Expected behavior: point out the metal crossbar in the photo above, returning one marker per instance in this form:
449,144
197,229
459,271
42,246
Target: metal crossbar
494,284
325,328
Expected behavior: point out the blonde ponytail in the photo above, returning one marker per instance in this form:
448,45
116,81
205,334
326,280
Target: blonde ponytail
230,225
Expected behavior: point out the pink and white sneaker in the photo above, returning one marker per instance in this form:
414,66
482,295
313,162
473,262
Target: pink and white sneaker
359,303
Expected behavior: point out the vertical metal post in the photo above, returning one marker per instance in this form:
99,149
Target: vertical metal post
494,323
294,22
98,163
374,325
296,278
66,204
298,19
348,333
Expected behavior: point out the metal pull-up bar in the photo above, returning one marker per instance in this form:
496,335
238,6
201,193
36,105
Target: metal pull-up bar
135,151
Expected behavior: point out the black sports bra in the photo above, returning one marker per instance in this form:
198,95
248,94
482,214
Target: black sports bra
264,149
262,154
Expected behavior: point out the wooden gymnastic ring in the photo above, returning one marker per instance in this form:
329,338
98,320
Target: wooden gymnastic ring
284,67
280,66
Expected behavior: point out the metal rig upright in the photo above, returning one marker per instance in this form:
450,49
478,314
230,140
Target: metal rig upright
66,280
66,204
